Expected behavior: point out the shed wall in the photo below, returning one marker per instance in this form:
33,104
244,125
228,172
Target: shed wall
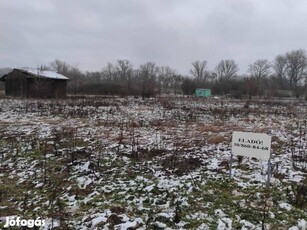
203,92
16,84
20,84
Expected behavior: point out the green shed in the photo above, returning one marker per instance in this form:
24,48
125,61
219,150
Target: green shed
203,93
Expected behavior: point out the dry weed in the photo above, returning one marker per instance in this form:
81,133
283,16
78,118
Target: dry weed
216,139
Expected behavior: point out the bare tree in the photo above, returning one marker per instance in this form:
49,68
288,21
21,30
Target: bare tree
109,72
60,67
290,69
227,69
260,69
212,76
164,78
199,70
148,73
76,75
280,68
44,68
296,67
188,86
251,86
176,82
149,70
124,69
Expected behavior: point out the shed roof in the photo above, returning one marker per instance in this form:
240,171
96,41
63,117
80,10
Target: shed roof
45,73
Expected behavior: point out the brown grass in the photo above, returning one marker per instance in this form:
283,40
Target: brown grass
216,139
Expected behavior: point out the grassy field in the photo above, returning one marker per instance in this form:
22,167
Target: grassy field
125,163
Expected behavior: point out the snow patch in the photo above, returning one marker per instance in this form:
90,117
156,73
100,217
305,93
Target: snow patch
286,206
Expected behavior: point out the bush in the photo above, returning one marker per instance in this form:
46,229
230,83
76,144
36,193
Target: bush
107,89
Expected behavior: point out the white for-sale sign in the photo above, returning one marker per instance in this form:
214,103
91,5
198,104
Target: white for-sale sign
248,144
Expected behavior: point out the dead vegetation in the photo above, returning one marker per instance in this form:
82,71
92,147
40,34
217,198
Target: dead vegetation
110,153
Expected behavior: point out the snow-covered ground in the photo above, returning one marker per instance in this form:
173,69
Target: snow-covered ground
125,163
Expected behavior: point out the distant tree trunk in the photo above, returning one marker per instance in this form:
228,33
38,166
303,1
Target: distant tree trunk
259,71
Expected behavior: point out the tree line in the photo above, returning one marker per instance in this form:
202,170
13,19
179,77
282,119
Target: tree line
286,73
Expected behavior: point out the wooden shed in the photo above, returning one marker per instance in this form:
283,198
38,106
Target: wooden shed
30,83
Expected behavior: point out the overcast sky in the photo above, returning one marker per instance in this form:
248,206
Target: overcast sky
89,34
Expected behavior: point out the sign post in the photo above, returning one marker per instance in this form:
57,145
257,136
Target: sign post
249,144
269,173
230,165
